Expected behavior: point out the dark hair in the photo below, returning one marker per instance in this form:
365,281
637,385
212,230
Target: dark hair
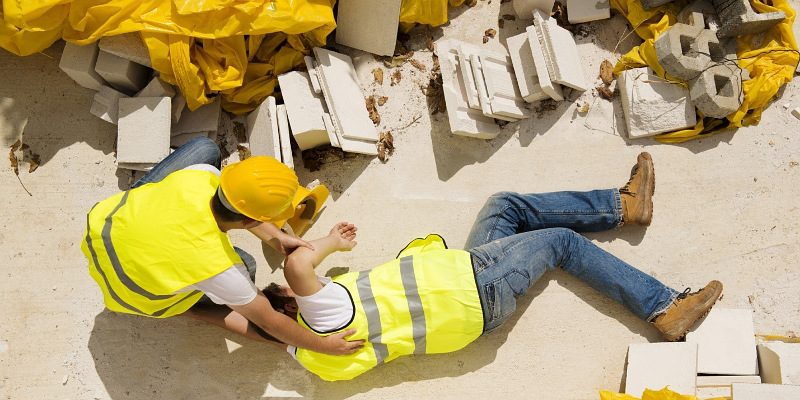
276,296
223,213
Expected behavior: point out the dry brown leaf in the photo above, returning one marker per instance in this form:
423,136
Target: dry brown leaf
381,152
396,77
485,39
509,17
244,152
378,74
388,141
34,162
13,157
382,100
373,111
239,131
490,32
605,92
472,3
418,65
606,72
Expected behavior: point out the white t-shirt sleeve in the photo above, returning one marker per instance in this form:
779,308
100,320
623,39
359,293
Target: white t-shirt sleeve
328,310
232,286
204,167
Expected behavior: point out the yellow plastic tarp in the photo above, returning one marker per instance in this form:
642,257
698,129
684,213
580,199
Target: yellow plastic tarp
771,61
663,394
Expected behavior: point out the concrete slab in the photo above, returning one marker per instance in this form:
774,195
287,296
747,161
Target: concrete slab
749,391
656,365
143,131
204,119
106,104
726,342
738,18
579,11
552,89
524,68
560,52
78,62
502,91
129,46
524,8
262,130
369,25
653,105
305,110
124,75
284,135
779,362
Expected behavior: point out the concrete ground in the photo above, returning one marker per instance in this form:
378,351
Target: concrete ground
725,208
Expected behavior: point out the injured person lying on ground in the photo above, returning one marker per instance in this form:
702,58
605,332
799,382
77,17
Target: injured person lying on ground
431,299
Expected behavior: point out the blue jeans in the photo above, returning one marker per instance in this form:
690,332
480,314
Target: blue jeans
518,237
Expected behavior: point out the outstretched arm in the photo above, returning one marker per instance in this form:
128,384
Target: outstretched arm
299,268
279,240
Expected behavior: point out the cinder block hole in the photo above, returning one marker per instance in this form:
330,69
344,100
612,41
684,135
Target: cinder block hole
723,85
716,50
686,44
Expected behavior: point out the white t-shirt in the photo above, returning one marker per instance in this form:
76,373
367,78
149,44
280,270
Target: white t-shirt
326,311
232,286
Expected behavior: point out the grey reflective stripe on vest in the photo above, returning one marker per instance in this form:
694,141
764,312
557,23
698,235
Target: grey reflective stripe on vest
112,257
419,328
373,316
114,294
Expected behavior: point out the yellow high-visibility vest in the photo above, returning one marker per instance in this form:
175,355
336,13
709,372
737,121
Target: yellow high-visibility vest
146,243
423,302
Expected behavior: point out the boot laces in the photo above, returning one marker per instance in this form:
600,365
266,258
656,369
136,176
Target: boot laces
627,188
686,293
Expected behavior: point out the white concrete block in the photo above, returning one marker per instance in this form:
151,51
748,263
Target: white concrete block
483,95
178,105
552,89
653,105
262,130
501,86
726,342
284,135
78,62
313,74
713,392
106,104
369,25
333,137
524,8
305,109
656,365
560,51
465,53
157,88
780,362
143,133
579,11
343,95
367,147
129,46
183,138
204,119
136,166
124,75
750,391
524,68
725,380
463,119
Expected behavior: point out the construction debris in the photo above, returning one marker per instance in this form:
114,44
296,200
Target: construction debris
606,72
369,25
396,77
524,8
378,74
373,110
653,105
579,11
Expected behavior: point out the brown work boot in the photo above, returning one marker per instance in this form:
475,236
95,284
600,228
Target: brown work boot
637,194
686,309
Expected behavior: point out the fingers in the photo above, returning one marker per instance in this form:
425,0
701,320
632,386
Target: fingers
305,244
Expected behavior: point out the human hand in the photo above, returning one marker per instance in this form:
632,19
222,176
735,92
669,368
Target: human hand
288,243
337,345
345,235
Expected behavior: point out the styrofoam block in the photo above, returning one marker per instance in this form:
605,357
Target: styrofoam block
124,75
579,11
465,53
305,110
369,25
78,62
262,130
106,104
780,362
157,88
284,136
204,119
524,69
524,8
143,132
750,391
129,46
653,105
343,95
501,86
656,365
548,86
463,119
183,138
561,52
726,342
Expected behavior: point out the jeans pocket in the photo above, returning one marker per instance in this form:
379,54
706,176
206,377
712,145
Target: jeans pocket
501,300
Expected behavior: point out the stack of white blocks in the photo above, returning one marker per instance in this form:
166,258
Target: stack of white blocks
268,132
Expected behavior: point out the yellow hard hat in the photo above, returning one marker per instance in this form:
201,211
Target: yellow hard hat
261,188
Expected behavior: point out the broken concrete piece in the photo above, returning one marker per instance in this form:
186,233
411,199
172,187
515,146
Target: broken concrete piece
284,137
143,133
780,362
463,119
656,365
178,104
649,4
157,88
12,122
738,18
305,110
524,8
129,46
524,68
750,391
653,105
579,11
697,9
726,342
262,130
126,76
106,104
79,62
204,119
560,51
344,96
499,86
369,25
717,92
552,89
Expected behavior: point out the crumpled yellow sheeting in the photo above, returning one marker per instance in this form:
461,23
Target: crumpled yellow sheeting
426,12
771,62
663,394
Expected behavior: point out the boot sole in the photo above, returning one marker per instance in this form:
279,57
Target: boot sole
650,174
